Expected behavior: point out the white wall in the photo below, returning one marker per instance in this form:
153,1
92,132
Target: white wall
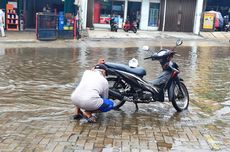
144,15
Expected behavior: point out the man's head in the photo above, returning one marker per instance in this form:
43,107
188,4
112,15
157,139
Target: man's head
102,68
101,61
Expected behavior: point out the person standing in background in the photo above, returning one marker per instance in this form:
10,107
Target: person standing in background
2,22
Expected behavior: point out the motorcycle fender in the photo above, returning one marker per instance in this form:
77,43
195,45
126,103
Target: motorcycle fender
170,91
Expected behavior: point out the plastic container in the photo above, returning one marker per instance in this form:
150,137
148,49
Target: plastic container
61,21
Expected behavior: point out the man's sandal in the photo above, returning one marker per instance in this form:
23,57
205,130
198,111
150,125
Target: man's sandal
77,117
91,119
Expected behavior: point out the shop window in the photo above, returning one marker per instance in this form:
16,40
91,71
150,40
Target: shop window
118,8
102,11
105,9
154,14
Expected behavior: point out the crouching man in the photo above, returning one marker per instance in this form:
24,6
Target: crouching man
91,95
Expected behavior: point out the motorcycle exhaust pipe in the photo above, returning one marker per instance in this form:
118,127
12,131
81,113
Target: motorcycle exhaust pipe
116,95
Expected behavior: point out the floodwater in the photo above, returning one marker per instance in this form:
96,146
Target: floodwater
36,83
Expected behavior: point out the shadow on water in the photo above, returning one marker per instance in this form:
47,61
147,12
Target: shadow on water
36,83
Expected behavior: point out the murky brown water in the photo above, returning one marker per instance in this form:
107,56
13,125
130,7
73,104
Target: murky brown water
36,83
44,77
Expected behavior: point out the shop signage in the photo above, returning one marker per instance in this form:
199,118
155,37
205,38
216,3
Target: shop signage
14,4
208,21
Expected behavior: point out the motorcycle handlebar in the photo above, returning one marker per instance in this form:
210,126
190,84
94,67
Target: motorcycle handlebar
150,57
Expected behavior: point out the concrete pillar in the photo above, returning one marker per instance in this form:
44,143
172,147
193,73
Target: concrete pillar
83,11
126,10
164,15
144,15
197,19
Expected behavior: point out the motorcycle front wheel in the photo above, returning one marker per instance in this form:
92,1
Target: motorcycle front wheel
117,85
180,99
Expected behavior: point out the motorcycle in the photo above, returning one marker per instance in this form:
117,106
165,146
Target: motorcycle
226,23
127,84
227,27
113,25
130,26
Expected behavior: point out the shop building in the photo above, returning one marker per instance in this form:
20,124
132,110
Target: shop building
26,9
144,12
163,15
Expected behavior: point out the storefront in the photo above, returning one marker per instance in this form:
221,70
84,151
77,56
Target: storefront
31,7
222,6
26,9
178,15
104,10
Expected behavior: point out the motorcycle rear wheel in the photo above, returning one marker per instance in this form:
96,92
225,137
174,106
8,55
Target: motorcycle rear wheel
180,100
134,29
125,30
116,85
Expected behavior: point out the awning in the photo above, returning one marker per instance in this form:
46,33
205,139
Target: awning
69,6
3,4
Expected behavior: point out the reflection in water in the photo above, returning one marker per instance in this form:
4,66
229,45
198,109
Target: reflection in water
43,77
212,74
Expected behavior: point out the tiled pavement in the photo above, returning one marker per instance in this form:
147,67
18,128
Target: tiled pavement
30,36
155,127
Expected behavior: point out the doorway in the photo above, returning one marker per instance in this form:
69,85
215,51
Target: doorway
31,7
179,15
134,12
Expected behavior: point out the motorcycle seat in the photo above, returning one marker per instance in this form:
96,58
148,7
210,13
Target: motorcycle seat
139,71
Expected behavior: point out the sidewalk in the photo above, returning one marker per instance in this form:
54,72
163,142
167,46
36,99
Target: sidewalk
30,36
14,36
225,36
105,33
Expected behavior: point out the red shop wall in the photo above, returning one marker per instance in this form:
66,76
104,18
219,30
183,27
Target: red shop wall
97,7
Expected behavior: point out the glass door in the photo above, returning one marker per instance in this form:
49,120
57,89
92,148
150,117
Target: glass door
154,14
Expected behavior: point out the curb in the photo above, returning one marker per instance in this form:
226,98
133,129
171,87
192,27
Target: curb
18,41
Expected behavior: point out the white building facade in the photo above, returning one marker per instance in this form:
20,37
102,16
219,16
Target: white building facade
149,14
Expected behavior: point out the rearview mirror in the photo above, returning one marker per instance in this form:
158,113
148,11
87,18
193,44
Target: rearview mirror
179,42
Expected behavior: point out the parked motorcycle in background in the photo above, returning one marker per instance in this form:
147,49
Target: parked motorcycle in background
127,83
227,27
113,25
130,26
227,23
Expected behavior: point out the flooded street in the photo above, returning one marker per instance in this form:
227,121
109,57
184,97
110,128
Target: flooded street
35,106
